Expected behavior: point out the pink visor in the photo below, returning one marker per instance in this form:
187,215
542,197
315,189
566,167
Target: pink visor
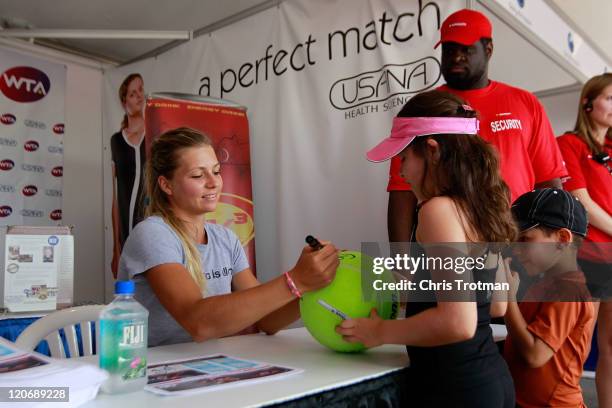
405,130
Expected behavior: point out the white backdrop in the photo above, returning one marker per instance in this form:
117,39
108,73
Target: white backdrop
32,105
321,80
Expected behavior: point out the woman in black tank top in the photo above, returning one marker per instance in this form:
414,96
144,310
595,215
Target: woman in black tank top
455,176
468,373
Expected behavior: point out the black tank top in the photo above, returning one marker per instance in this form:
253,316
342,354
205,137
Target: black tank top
457,366
129,169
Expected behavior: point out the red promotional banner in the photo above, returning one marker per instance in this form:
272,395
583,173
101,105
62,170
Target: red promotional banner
228,127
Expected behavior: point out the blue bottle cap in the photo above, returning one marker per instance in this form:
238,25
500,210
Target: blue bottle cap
124,287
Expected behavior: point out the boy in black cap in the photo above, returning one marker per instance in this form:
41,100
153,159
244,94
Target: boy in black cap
549,336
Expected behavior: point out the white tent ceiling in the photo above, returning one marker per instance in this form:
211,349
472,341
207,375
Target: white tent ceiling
515,57
593,18
517,62
188,15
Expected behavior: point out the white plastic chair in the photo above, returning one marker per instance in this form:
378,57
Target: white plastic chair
47,328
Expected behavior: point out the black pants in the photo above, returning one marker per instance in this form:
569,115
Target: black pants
497,393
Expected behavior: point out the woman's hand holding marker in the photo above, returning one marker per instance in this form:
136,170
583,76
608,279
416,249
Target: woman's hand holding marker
316,267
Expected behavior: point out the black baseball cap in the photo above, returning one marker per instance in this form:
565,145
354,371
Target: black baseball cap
550,207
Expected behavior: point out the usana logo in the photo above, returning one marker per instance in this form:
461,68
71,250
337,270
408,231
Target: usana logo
32,213
391,80
33,168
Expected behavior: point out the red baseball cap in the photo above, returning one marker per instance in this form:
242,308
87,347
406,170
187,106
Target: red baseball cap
465,27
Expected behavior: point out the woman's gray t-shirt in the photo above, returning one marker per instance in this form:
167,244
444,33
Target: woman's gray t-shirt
153,242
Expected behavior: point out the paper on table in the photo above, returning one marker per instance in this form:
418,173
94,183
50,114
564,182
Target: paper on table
59,247
210,373
19,369
30,272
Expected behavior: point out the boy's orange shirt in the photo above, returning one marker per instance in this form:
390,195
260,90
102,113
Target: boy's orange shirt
566,327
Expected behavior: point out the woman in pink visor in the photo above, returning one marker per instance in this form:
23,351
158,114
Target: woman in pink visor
462,198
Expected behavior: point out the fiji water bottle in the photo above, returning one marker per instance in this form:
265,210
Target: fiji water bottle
123,341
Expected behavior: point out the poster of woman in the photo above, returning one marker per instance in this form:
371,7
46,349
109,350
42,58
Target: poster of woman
128,156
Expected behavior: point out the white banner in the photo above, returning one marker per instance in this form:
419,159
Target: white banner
32,105
321,80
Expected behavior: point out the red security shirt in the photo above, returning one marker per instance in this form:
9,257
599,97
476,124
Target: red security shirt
514,121
584,172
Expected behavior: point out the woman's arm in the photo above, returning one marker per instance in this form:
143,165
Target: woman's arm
223,315
276,320
598,217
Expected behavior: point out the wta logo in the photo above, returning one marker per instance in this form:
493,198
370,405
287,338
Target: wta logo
5,211
56,215
58,129
57,171
24,84
31,146
29,191
8,119
7,164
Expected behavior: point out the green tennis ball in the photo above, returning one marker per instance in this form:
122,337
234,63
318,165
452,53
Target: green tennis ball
350,294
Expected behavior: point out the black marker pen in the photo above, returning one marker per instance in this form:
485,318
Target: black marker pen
313,242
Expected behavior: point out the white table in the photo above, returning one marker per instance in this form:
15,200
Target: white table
323,370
